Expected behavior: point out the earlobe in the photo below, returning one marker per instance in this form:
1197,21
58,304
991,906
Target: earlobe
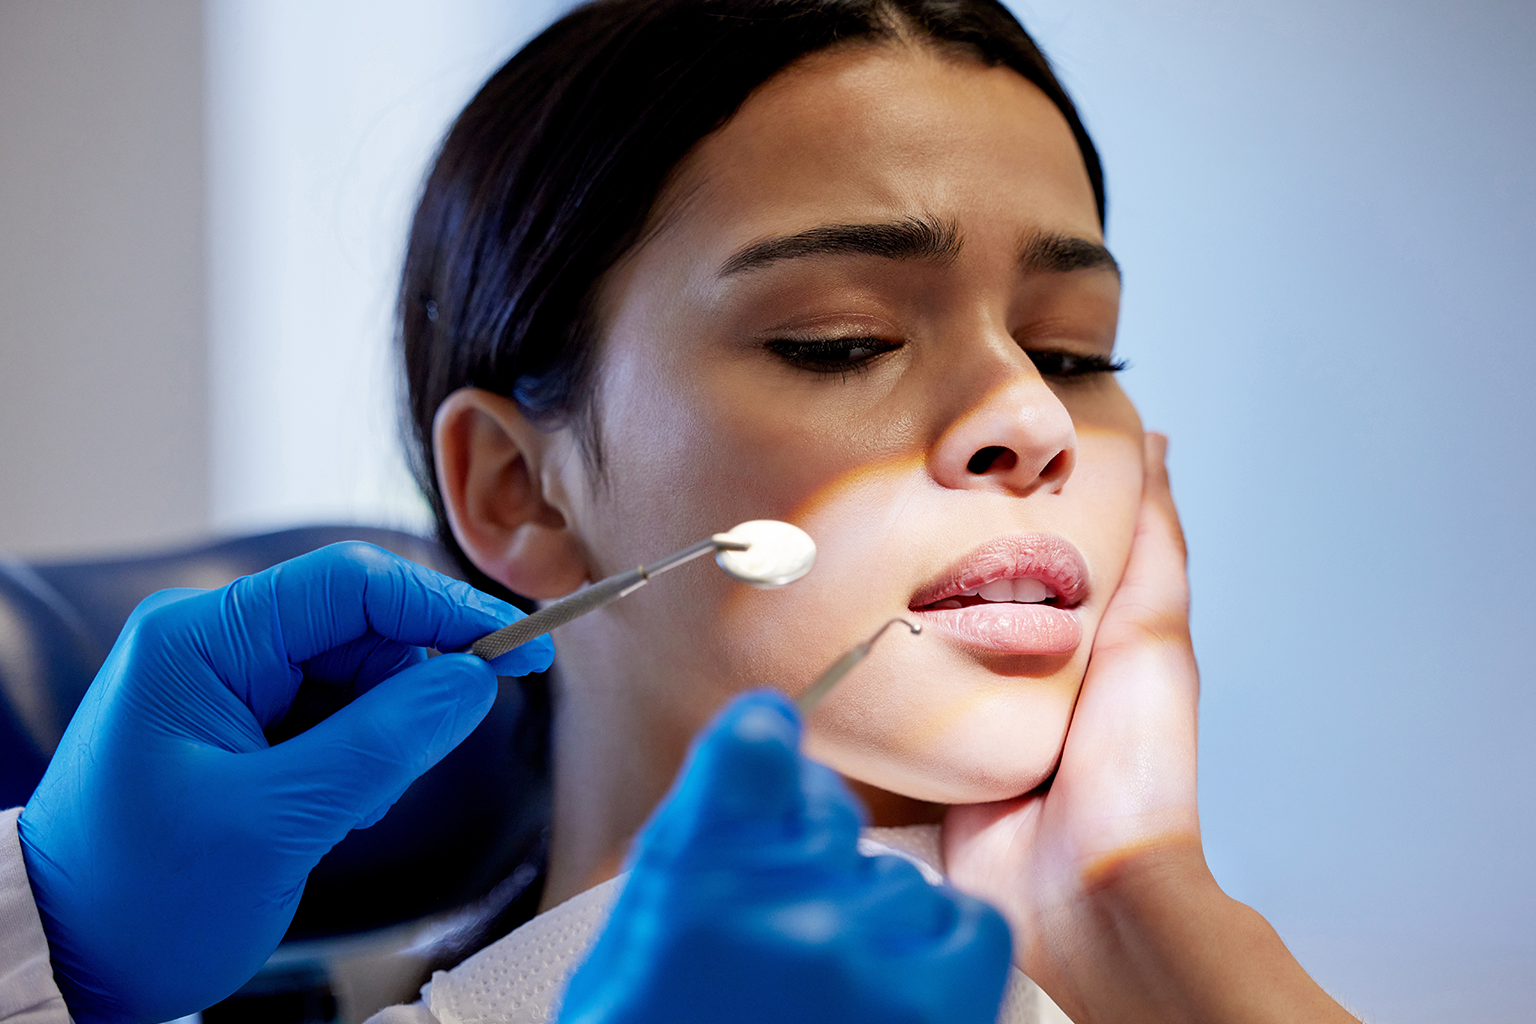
489,460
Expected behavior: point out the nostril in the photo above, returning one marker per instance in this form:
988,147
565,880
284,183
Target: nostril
1058,466
992,457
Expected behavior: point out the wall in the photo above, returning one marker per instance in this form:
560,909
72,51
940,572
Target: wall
321,121
103,359
197,268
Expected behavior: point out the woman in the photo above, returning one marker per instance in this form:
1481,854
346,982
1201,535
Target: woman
686,263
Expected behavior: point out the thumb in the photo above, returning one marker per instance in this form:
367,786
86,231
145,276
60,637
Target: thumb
742,780
355,764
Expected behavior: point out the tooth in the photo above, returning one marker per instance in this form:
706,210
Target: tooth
1030,591
968,593
998,590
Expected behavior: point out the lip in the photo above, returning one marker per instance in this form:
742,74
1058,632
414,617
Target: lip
1007,627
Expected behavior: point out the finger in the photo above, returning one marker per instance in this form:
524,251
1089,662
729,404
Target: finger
534,656
359,665
363,663
336,678
353,766
831,808
743,767
1153,596
960,946
745,785
343,591
975,956
354,668
153,603
1131,749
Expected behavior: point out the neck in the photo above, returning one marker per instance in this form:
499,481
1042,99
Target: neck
606,784
614,758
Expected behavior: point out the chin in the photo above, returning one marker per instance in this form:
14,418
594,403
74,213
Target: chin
982,738
973,774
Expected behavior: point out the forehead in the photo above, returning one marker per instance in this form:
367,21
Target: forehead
875,132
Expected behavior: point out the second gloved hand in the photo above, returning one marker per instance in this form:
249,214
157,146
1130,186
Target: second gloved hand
169,842
748,901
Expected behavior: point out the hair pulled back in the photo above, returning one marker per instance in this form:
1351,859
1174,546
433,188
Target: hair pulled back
549,174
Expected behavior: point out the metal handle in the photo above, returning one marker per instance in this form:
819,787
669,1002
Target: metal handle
817,691
589,599
494,645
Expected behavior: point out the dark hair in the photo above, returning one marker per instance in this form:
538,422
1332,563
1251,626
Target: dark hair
550,173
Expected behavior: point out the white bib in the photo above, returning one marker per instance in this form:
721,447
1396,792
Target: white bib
520,978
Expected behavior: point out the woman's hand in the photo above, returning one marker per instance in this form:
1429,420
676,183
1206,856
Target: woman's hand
1100,872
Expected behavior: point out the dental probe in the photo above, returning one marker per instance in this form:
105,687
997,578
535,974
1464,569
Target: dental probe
763,552
817,691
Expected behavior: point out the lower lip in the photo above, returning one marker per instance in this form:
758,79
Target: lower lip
1008,628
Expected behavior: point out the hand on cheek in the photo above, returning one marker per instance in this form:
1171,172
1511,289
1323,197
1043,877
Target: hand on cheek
1126,781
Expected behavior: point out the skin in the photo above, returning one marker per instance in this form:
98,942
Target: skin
703,423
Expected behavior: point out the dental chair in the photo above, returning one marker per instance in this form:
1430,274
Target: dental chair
465,827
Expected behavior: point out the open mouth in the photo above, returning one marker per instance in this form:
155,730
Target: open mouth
1014,595
1027,568
1019,591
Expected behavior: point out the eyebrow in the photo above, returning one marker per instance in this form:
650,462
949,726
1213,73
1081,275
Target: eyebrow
915,238
911,238
1058,253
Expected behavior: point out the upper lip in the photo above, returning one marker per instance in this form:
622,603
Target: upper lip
1052,560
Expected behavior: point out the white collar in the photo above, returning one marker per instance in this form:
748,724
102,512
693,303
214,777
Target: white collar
519,978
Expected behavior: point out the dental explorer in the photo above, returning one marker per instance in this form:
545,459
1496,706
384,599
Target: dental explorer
817,691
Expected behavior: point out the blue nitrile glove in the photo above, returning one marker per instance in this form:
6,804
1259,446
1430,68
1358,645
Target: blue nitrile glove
168,843
748,901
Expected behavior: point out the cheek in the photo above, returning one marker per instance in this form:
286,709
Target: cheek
689,452
866,537
1106,490
688,455
920,718
667,480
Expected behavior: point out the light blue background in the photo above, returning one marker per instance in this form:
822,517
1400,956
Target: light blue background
1326,213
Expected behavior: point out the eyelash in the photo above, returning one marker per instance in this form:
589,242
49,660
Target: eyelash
1072,365
833,355
836,356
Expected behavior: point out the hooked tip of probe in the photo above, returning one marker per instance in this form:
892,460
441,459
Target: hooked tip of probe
913,626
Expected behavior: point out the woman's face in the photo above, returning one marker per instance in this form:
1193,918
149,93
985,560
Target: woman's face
874,304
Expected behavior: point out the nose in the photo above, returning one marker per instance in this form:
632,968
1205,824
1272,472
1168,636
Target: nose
1019,439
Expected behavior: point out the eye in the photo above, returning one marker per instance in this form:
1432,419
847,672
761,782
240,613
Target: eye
832,355
1069,365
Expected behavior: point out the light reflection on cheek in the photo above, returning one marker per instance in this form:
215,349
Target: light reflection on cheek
789,636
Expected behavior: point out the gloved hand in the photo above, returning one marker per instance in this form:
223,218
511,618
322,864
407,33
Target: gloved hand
748,901
168,843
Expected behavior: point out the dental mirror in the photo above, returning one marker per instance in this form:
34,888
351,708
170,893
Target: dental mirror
772,553
763,552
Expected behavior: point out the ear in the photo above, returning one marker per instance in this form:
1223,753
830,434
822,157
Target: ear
505,510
